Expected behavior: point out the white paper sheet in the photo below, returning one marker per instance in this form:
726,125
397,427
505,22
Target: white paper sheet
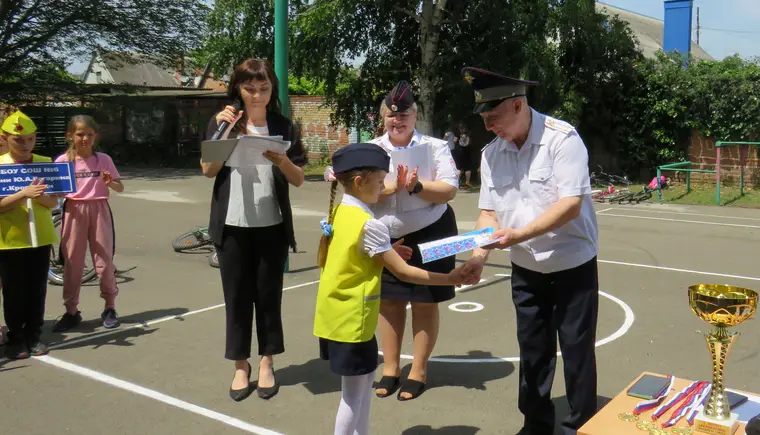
249,150
420,157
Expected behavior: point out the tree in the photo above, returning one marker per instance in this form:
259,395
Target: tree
45,35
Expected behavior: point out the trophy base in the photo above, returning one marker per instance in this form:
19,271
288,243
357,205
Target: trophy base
707,425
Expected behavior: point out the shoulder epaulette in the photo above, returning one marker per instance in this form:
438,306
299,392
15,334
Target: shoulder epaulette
560,126
489,144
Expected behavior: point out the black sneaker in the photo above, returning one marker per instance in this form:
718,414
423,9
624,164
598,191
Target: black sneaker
67,322
37,348
110,319
16,349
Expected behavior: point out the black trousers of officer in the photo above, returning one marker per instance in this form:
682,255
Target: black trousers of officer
252,265
24,274
560,305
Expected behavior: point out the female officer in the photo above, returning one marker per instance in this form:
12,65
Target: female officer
432,221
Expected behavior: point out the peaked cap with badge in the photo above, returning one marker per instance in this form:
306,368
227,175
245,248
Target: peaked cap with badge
18,124
491,89
400,98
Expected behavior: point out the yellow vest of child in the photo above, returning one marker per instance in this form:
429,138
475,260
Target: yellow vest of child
348,299
14,224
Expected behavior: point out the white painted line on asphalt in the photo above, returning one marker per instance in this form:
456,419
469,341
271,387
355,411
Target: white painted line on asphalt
155,395
681,220
627,323
673,269
647,210
606,209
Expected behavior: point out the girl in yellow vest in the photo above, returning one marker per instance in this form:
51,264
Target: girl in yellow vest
353,251
23,268
3,150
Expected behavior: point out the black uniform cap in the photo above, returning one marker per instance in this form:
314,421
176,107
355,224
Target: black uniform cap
400,98
492,89
360,155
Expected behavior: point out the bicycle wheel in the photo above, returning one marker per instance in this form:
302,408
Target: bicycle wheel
642,196
193,239
55,272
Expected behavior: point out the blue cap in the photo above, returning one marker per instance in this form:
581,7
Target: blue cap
359,156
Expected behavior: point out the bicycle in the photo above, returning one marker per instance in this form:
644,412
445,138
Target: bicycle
55,271
608,182
191,240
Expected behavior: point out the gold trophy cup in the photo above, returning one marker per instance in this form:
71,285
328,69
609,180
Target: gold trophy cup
722,306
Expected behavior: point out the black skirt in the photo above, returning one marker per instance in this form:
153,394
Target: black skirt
349,359
394,289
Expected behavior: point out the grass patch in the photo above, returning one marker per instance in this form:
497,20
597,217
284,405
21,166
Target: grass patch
704,194
314,169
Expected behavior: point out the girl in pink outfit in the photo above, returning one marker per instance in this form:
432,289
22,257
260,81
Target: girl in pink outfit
87,219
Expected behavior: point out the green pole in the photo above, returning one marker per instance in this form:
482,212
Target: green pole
281,51
281,63
688,179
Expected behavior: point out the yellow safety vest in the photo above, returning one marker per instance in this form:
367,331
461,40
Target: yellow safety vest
14,224
348,299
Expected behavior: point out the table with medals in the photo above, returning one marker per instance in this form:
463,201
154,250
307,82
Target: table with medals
673,413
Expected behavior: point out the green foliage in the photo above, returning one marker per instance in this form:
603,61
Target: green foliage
719,99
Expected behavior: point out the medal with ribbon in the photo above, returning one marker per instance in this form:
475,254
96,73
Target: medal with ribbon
688,403
686,392
692,414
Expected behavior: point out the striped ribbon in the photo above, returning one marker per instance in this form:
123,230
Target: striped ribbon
691,399
677,398
651,403
698,406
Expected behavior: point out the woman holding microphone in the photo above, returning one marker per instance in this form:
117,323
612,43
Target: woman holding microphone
251,225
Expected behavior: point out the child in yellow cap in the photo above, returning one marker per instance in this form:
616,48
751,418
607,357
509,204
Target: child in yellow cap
23,268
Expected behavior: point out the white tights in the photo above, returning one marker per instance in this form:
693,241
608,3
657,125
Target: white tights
353,412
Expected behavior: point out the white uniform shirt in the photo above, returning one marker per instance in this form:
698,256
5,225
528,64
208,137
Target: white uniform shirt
402,223
252,200
376,238
520,185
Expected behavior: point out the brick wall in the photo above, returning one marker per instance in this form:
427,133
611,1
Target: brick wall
319,137
702,154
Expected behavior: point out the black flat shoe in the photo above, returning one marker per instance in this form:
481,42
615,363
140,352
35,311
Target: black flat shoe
411,387
269,392
238,395
388,383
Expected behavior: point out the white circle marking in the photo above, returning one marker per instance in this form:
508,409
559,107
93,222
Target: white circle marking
629,319
475,307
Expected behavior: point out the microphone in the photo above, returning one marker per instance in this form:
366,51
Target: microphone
224,124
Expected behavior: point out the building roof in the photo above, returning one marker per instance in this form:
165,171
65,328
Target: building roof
649,31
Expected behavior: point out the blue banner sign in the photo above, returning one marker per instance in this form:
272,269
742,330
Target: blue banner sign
59,177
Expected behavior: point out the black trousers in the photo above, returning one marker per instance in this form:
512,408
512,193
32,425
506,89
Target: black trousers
560,305
24,274
252,265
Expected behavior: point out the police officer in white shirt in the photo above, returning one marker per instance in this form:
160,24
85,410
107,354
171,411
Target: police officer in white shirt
432,219
535,192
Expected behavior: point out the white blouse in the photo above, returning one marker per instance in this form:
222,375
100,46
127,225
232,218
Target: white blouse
252,198
376,238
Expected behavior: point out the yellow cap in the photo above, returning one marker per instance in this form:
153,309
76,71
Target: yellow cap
19,124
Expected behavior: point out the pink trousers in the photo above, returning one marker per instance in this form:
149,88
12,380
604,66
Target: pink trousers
83,222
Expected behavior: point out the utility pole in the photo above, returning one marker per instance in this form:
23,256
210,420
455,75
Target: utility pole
697,25
281,51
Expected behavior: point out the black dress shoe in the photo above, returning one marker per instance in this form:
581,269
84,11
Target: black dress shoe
238,395
268,392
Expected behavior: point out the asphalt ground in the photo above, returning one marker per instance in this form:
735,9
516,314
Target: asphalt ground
163,371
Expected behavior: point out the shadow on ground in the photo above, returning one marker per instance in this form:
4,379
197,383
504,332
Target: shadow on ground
315,375
445,430
92,326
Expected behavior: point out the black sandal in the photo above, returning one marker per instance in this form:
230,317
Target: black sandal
389,384
415,388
